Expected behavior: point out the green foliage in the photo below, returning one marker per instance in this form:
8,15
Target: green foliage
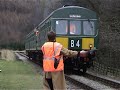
17,75
13,46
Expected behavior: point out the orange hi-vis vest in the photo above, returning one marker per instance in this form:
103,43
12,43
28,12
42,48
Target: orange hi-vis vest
51,50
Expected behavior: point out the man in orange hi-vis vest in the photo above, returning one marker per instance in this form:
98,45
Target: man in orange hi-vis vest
53,66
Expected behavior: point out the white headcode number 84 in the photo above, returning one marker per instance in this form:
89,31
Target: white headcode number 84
75,44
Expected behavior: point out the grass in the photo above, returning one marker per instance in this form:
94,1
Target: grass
17,75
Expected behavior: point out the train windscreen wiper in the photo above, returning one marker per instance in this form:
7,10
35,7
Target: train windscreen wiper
90,24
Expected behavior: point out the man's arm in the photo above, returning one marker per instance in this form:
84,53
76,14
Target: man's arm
71,53
68,53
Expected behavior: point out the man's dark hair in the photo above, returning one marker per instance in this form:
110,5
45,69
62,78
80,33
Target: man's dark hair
51,36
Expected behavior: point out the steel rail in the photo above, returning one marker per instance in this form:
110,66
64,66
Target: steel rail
104,80
78,83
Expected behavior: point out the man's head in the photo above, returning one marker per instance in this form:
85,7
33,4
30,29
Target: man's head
72,29
51,36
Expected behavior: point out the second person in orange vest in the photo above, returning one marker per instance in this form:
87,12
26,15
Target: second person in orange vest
53,65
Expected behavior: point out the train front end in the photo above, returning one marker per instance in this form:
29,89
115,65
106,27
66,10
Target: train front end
76,29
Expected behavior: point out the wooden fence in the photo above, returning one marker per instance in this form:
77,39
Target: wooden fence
102,69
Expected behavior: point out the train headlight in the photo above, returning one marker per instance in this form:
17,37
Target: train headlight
90,45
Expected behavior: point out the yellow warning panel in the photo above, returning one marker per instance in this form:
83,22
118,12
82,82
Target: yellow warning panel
87,43
63,41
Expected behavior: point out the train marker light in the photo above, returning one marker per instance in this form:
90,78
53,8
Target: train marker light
36,32
90,46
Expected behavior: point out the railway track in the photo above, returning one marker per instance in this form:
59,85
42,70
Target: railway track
93,82
90,81
104,80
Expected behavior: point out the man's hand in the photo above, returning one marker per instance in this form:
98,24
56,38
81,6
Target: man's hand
92,54
83,53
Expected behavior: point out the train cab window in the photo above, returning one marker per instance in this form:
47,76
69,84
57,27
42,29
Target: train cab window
75,27
88,28
61,27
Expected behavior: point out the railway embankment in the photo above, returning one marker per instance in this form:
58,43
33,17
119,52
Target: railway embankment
7,55
17,75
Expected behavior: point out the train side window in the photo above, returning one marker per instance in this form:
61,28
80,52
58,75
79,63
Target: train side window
88,28
75,27
61,27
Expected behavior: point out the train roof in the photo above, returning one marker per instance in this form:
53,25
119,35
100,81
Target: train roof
80,12
70,12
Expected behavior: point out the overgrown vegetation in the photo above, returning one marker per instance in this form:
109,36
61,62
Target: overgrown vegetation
17,75
7,55
18,18
14,46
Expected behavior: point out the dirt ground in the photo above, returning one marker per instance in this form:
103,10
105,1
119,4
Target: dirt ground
7,55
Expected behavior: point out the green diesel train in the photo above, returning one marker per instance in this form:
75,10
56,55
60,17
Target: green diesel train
76,29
